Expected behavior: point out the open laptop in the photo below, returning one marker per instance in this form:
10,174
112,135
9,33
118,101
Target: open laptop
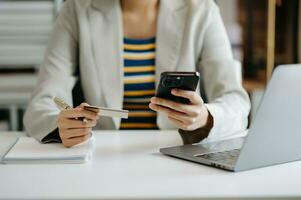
274,136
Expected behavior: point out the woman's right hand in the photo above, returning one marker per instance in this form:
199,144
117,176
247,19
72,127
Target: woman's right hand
72,129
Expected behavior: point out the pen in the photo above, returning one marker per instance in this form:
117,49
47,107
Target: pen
64,106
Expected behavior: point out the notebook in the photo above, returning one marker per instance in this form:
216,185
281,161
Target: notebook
28,150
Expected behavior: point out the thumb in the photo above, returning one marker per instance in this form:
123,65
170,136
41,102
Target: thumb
82,105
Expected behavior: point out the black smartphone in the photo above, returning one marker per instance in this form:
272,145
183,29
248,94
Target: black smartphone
180,80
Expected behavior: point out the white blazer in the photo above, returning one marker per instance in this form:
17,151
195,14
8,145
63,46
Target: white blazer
89,34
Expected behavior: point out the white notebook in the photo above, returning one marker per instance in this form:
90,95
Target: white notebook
28,150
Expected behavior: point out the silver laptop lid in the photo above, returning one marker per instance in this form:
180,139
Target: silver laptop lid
275,134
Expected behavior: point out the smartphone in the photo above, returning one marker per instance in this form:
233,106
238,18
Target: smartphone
180,80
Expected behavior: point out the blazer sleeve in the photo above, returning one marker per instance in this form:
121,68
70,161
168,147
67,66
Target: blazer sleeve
228,103
55,76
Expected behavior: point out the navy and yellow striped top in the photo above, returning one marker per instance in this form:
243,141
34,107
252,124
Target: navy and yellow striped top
139,83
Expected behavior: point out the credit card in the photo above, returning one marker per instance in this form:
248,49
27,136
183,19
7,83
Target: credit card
108,112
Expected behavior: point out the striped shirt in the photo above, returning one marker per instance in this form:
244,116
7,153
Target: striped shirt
139,83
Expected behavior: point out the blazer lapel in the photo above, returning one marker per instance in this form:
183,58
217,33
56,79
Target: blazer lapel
170,32
107,38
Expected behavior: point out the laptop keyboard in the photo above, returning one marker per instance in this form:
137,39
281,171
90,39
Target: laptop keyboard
225,157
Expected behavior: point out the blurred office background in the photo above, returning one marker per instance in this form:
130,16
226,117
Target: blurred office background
25,26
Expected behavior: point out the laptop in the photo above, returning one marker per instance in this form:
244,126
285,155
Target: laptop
274,136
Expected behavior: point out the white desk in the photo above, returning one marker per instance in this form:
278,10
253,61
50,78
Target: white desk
127,165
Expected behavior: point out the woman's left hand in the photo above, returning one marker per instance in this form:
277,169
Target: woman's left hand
187,117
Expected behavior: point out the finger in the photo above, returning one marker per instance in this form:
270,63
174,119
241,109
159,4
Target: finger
73,123
180,124
170,104
82,105
79,113
170,113
164,110
184,118
190,110
79,132
177,122
74,141
191,95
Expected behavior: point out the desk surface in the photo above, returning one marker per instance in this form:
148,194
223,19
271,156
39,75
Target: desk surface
127,165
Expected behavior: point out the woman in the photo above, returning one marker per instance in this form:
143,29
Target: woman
120,48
